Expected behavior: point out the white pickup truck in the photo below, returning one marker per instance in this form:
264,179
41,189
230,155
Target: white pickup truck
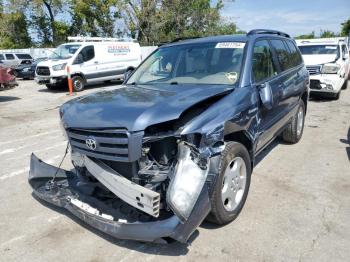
327,61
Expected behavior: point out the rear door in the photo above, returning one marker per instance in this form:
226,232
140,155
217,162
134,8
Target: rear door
265,72
291,77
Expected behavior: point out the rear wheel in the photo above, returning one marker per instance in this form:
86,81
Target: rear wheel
345,85
78,83
294,130
232,184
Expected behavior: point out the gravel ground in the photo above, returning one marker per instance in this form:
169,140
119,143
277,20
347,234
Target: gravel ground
298,208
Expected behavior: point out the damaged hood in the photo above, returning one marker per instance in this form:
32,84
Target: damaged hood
135,107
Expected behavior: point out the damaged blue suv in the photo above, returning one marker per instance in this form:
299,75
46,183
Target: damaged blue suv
177,142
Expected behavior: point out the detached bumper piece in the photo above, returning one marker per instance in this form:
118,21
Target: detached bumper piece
66,192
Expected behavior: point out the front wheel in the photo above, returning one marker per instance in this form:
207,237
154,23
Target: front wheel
294,130
232,184
78,83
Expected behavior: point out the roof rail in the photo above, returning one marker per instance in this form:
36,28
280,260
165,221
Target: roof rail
98,39
267,31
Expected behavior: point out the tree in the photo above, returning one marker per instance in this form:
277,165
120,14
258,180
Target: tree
306,36
345,29
13,28
327,34
94,17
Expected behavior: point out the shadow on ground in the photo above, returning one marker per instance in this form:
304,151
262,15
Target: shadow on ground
8,98
87,87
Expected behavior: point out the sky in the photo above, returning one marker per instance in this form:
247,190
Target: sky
295,17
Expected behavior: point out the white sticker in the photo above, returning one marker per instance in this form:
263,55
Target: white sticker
331,47
230,45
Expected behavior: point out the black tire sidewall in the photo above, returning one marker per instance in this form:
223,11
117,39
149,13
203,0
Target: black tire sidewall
78,78
231,151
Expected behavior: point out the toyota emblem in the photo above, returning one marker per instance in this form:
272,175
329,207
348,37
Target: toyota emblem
91,143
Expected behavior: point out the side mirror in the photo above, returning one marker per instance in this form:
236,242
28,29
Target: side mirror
79,59
265,94
127,74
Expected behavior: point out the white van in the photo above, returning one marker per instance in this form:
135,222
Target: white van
327,61
88,62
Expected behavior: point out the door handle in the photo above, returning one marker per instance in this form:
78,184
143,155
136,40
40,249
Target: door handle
96,62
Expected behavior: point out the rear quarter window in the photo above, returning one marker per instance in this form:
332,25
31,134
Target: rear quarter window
283,53
2,57
295,56
9,56
23,56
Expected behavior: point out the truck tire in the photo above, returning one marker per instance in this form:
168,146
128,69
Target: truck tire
294,130
78,83
232,184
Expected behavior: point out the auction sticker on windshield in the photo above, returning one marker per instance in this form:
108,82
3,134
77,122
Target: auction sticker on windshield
230,45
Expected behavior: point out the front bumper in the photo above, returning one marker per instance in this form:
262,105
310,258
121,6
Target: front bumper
326,83
65,193
50,79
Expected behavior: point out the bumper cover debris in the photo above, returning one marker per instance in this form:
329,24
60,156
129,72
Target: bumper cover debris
65,193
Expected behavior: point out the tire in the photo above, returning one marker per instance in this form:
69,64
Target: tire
224,210
294,131
78,83
345,85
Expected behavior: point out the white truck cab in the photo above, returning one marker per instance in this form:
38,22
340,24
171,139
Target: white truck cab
88,60
327,61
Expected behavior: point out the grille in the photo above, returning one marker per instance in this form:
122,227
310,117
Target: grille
43,70
315,84
115,145
314,70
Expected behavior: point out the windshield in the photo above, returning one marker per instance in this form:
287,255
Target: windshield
64,51
213,63
319,49
24,56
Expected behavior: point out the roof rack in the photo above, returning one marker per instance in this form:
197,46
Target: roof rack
267,31
99,39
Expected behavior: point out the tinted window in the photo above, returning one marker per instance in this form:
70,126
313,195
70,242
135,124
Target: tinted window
295,57
282,53
344,50
10,56
88,53
319,49
23,56
263,66
2,57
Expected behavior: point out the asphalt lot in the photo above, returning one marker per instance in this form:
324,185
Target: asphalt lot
298,208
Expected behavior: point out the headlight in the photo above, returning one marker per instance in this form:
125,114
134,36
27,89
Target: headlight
59,67
330,69
186,184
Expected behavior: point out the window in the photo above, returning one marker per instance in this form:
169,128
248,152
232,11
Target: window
263,66
2,57
88,53
319,49
24,56
283,54
295,57
204,63
344,51
9,56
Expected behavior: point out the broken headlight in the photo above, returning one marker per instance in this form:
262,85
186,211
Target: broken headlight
186,184
330,69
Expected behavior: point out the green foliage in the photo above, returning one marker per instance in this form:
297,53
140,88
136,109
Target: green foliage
345,29
13,30
94,17
327,34
307,36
